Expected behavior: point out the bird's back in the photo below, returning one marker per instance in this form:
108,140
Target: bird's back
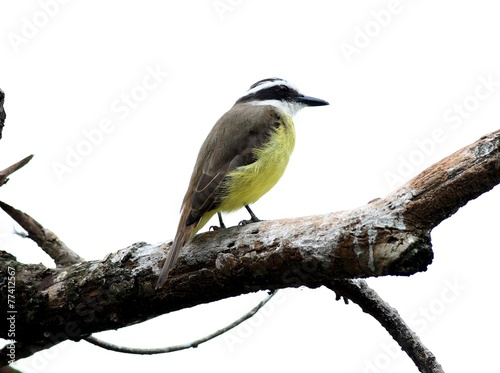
243,157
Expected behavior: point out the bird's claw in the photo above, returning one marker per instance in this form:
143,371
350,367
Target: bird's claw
249,221
216,228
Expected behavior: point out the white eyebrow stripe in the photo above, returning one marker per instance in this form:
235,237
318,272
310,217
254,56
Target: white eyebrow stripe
266,85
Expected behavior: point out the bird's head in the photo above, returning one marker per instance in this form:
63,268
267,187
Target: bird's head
279,93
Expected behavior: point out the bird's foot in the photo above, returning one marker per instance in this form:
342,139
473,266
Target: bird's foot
221,224
216,228
253,219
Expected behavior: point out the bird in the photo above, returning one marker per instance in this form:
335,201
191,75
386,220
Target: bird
242,158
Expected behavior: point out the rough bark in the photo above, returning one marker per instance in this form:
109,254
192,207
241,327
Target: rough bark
389,236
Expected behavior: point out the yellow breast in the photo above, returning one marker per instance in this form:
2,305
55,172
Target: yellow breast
247,184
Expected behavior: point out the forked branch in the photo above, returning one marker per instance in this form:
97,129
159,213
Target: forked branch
389,236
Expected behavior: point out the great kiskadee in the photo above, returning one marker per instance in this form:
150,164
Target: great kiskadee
242,158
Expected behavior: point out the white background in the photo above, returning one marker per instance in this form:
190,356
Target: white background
412,66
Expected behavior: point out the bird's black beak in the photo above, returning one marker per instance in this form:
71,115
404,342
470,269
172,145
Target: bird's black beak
311,101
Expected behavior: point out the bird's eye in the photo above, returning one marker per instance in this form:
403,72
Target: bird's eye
284,88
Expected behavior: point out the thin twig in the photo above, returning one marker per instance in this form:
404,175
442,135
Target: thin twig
193,344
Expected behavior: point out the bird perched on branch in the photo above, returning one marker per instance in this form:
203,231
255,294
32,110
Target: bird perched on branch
242,158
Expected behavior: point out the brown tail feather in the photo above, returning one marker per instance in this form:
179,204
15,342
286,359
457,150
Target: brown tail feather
181,238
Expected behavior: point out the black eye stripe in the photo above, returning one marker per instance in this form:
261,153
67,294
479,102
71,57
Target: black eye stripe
270,89
279,92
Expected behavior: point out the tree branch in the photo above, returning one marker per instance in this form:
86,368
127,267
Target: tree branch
4,174
46,239
371,303
389,236
439,191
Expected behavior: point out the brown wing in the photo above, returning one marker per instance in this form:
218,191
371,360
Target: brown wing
229,145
